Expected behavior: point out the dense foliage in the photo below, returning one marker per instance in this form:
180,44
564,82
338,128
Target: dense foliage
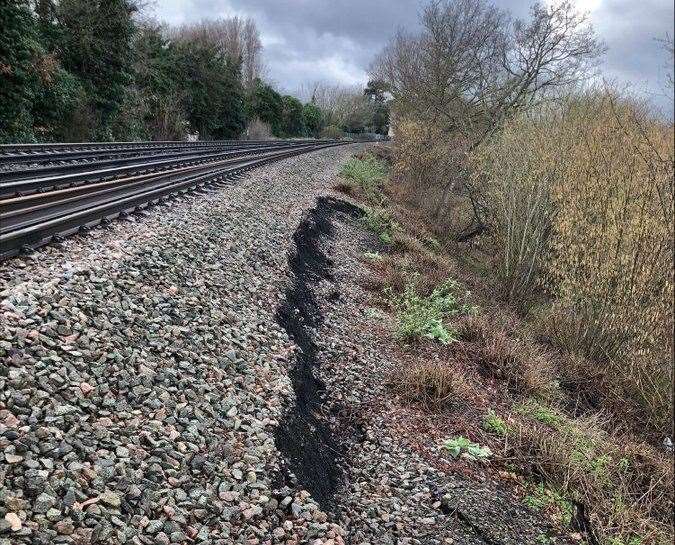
78,70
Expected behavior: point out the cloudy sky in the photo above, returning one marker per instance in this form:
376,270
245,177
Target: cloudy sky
335,40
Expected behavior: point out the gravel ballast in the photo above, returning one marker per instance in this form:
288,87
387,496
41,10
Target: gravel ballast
149,376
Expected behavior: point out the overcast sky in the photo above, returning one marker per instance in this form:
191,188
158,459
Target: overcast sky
335,40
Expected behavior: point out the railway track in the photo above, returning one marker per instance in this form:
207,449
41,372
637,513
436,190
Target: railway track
50,191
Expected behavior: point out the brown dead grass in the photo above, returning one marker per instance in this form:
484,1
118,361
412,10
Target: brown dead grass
518,362
435,385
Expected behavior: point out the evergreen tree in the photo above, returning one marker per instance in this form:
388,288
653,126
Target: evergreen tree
266,104
96,45
313,119
18,79
292,121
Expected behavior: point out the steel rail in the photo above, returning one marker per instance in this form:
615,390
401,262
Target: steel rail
24,186
75,152
31,221
23,211
120,160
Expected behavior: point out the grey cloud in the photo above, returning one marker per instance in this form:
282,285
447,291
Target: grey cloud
335,40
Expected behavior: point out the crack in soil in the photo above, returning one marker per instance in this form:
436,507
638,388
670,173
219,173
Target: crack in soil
305,438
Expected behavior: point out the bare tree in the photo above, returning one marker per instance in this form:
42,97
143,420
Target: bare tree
473,66
342,105
235,37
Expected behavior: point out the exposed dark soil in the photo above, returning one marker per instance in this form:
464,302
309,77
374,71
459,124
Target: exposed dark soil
304,437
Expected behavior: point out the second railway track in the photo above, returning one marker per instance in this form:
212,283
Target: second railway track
36,209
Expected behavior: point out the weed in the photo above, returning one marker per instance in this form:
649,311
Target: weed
494,424
381,223
541,497
540,413
468,449
421,316
367,173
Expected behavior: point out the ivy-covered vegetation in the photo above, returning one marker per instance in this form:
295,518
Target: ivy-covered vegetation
87,70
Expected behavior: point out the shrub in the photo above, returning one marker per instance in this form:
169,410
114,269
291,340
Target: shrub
428,169
515,172
581,204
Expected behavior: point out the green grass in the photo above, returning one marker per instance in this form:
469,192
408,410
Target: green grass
540,413
366,174
493,424
381,223
423,317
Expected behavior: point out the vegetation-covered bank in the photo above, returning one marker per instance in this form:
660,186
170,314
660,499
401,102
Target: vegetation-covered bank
80,70
527,230
543,413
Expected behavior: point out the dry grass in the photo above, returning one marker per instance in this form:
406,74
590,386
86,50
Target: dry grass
519,363
436,385
626,487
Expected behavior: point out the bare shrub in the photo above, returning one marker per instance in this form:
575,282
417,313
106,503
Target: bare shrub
514,173
428,168
611,265
259,130
581,201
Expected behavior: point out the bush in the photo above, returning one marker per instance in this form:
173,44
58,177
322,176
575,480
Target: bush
581,201
428,170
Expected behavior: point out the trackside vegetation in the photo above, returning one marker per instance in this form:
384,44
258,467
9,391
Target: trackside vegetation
102,70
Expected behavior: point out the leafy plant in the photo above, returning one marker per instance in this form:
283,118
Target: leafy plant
421,316
381,223
494,424
461,446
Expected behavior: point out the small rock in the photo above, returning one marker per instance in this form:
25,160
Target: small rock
14,521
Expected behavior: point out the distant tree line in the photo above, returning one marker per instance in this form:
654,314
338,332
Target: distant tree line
81,70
